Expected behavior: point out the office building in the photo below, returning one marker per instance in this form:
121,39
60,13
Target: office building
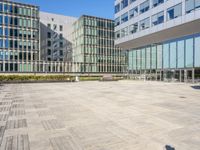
162,37
93,40
19,37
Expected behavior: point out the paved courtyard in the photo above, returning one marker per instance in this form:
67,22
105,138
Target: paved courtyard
124,115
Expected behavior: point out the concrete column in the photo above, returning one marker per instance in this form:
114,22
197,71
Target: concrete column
185,76
193,75
4,66
43,66
51,66
156,75
160,75
180,75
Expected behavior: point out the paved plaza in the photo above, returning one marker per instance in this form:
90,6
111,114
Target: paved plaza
123,115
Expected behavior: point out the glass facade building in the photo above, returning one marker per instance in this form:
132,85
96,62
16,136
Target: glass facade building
93,40
161,37
19,36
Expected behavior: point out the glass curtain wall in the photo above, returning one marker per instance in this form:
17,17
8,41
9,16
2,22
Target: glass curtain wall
175,54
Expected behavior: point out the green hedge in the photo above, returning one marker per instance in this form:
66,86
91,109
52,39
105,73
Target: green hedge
90,78
35,78
51,78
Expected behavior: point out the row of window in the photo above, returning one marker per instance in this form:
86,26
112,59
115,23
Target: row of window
173,12
10,32
156,19
50,43
12,9
100,42
179,53
49,35
19,22
54,27
15,44
145,6
49,52
11,55
99,23
98,32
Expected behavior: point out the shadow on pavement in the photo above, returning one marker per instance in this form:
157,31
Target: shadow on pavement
168,147
197,87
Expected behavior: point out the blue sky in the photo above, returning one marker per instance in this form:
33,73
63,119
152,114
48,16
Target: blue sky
99,8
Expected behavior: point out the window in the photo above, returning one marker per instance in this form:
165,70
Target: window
117,35
159,56
158,18
16,21
54,27
144,7
1,43
5,8
133,28
6,20
117,21
197,52
157,2
124,3
61,52
6,31
124,18
1,31
131,1
61,44
10,8
189,46
16,9
1,19
191,5
61,28
180,53
153,57
197,4
172,54
117,8
133,12
61,36
1,7
144,24
49,35
124,32
6,43
49,25
174,12
49,52
49,43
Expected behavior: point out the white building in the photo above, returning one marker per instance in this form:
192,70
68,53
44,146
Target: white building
56,37
161,36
